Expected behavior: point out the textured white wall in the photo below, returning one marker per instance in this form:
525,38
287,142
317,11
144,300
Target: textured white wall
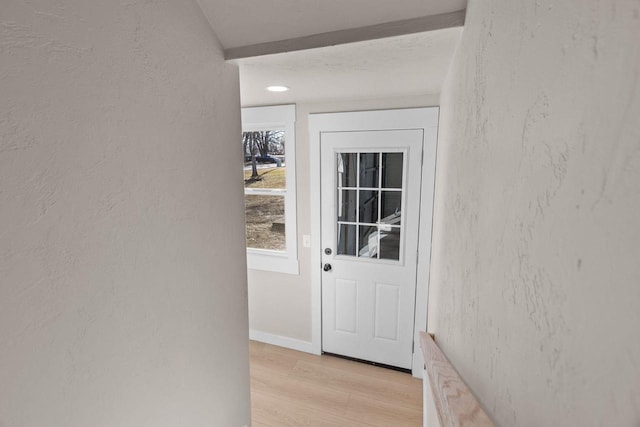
535,279
122,272
280,304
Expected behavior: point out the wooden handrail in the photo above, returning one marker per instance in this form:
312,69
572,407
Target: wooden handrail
454,402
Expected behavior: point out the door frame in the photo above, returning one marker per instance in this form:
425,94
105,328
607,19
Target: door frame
425,118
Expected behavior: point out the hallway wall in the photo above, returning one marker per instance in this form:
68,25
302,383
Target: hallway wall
534,290
123,295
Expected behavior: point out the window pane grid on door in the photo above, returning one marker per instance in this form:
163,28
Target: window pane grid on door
383,225
369,213
358,204
399,190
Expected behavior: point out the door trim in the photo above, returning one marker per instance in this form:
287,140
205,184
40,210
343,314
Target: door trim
411,118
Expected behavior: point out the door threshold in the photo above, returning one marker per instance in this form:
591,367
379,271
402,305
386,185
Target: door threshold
368,362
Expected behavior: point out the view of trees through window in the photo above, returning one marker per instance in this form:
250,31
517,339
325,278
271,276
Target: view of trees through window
265,188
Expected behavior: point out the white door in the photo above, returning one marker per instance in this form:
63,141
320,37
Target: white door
370,210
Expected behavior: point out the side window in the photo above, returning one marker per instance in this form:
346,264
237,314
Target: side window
268,142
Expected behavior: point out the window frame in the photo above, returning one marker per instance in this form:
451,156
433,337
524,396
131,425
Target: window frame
267,118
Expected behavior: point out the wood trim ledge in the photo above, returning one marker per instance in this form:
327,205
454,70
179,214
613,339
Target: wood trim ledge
454,402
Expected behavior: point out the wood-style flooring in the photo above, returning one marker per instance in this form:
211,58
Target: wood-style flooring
291,388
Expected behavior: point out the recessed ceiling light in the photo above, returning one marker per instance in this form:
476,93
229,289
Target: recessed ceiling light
276,88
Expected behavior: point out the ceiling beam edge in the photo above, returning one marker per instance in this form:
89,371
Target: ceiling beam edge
370,32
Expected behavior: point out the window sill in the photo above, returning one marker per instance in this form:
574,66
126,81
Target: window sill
272,261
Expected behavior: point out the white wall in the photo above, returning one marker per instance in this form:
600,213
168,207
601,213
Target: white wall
122,271
535,278
280,304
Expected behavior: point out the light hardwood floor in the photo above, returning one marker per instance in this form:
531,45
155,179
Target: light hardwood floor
291,388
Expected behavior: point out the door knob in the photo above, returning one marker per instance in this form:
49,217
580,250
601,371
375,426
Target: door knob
327,267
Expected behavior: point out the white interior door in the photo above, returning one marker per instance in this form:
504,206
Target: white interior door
370,211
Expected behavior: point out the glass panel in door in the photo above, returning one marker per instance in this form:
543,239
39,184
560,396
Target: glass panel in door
370,197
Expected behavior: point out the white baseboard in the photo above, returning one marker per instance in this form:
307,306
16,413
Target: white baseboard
281,341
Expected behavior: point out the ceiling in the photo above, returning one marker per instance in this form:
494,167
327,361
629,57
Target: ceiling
412,64
242,22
